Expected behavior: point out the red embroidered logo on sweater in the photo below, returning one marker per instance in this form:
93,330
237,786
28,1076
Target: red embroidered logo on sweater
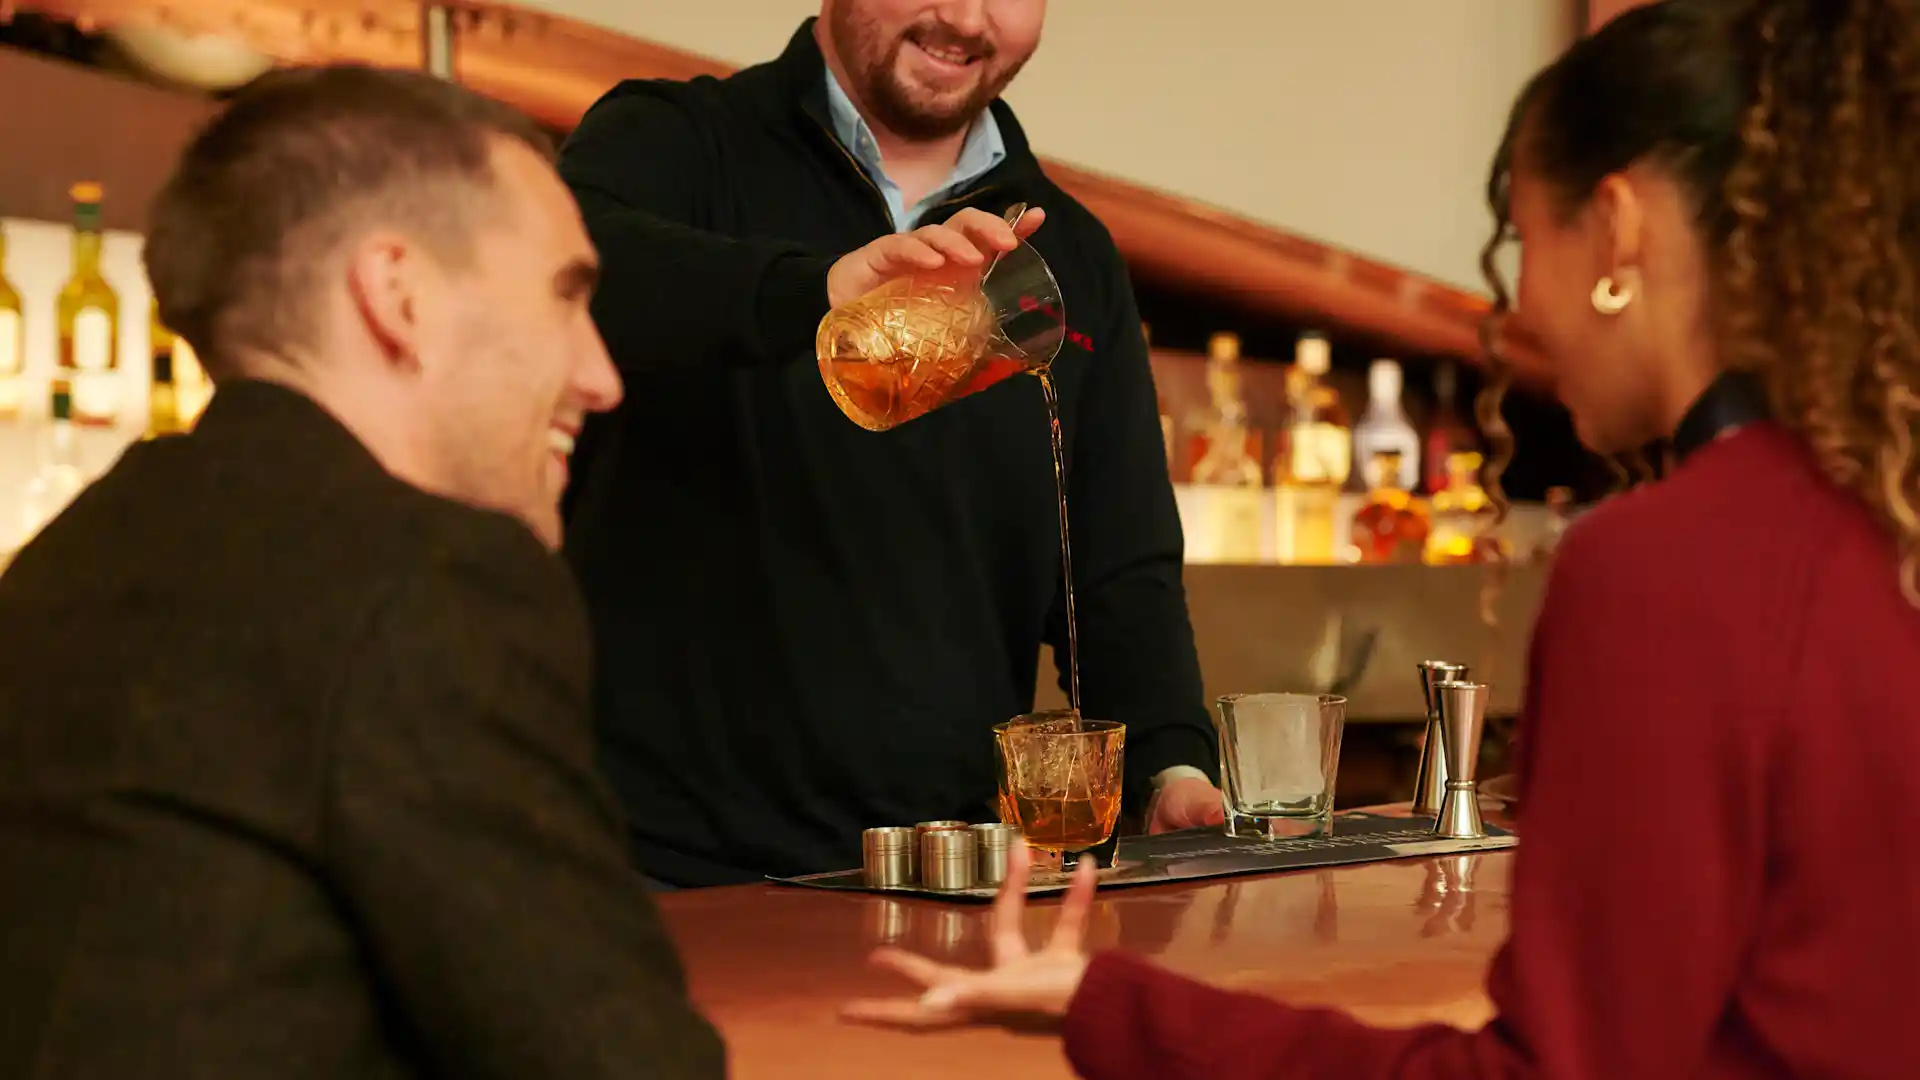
1028,303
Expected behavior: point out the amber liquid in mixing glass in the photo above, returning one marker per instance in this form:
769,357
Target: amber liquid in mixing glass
1061,825
907,348
1066,545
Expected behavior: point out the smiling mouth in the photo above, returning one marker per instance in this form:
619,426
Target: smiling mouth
953,56
560,441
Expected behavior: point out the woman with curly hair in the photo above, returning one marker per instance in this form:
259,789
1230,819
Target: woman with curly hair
1720,872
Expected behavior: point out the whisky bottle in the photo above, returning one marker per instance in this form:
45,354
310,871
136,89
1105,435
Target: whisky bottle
1315,458
163,392
1223,359
1384,426
1226,475
89,317
1447,434
13,341
1459,511
1392,526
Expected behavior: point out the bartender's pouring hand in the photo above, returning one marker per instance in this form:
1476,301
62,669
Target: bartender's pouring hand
1025,987
969,238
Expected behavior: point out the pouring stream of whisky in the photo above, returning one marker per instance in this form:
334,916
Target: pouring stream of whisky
1066,545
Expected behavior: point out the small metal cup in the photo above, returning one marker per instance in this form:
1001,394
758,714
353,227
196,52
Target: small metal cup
994,841
949,859
1463,711
886,857
920,831
1430,782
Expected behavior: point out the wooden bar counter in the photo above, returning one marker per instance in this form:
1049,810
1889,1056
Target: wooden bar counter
1397,943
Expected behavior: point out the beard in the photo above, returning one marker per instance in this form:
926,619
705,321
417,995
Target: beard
908,110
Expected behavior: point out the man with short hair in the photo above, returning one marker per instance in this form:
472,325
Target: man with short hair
296,763
807,628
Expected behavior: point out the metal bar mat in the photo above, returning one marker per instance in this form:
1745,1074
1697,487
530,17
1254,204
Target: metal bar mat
1356,837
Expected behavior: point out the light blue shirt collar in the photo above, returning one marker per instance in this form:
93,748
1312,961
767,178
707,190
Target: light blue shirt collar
983,150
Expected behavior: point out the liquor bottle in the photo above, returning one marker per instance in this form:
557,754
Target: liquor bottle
57,476
191,387
89,314
1559,516
1447,434
13,342
1314,460
163,392
1459,511
1392,526
1226,476
1384,426
1223,359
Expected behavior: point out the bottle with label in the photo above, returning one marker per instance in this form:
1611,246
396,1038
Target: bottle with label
57,476
1392,526
1447,434
13,340
1315,458
1226,473
163,392
1459,512
89,314
1385,427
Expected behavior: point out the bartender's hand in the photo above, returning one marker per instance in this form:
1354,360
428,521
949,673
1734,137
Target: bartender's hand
968,238
1024,987
1185,802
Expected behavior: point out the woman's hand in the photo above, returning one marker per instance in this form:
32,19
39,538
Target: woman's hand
1024,988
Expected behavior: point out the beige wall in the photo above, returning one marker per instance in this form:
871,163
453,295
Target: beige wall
1367,123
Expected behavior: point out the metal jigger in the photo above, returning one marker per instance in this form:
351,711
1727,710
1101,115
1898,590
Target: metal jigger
1463,714
1430,783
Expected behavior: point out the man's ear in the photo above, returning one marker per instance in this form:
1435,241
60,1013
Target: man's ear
386,277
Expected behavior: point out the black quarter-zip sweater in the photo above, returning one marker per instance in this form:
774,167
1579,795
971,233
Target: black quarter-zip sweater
805,628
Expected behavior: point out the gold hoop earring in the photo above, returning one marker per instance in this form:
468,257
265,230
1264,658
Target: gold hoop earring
1610,297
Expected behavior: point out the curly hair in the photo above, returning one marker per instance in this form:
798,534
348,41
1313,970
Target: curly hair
1789,123
1818,273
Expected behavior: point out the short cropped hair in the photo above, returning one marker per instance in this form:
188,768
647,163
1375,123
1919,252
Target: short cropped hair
295,164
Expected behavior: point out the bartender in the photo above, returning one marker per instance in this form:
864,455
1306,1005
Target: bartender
805,628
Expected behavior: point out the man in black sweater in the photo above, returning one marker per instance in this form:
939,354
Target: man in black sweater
806,628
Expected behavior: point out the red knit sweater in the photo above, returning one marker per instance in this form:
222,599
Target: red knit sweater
1719,873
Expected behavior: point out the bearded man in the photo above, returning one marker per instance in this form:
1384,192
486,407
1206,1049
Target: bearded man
806,628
